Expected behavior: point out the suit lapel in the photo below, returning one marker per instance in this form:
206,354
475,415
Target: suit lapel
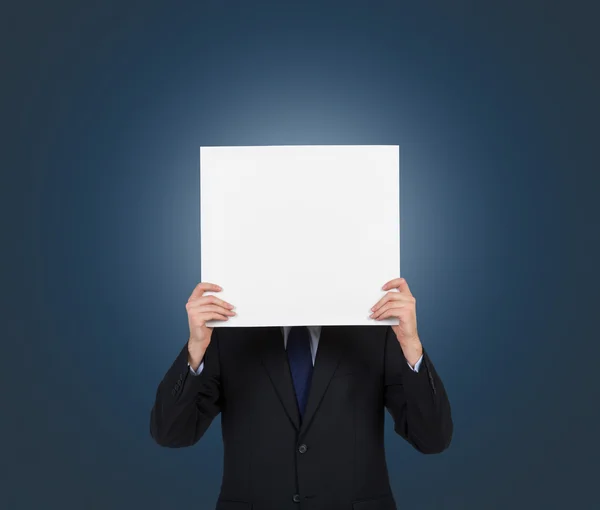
328,356
275,361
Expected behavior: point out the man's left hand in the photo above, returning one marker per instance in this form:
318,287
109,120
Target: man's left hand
401,304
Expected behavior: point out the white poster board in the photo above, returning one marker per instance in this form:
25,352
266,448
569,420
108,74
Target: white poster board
300,235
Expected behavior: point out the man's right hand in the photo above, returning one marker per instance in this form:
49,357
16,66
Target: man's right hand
201,308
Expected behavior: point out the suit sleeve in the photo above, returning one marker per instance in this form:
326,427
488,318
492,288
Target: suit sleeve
417,401
186,404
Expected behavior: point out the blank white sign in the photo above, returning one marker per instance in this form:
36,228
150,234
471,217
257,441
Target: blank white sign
300,235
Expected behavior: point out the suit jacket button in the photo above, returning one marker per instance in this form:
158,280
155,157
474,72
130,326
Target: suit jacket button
296,498
302,448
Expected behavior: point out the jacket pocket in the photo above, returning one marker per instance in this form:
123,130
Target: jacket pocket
380,503
228,504
343,373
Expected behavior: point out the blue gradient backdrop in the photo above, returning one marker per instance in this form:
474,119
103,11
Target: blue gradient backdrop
104,107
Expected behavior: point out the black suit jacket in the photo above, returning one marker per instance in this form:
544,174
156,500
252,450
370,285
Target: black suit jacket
334,458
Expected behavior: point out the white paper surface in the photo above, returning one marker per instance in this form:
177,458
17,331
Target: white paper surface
300,235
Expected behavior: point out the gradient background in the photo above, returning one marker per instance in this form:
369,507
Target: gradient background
104,107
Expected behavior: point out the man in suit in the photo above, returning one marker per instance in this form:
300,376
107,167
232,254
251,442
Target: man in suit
302,408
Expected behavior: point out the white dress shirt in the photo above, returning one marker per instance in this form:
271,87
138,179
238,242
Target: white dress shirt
315,333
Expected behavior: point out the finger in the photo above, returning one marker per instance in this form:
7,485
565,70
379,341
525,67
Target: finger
391,296
204,300
398,283
202,287
204,317
389,306
195,309
397,313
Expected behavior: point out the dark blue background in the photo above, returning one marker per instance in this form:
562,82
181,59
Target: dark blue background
104,108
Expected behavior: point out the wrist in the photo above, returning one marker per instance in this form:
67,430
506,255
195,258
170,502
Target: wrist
195,355
412,350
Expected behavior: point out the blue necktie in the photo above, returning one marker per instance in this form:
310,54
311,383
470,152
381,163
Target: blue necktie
301,366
